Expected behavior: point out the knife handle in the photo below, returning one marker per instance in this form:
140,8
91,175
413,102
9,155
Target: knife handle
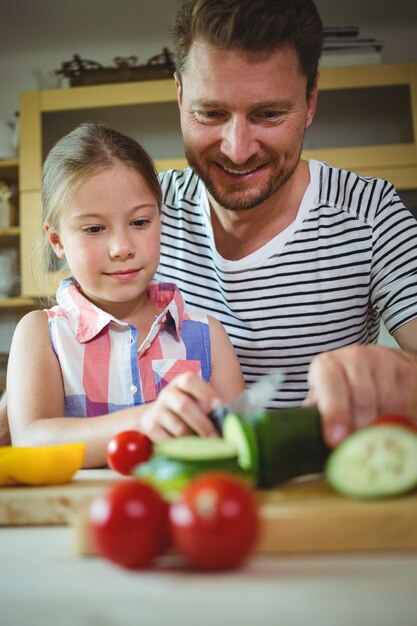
217,416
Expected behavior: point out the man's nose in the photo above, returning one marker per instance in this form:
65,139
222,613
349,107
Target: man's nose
238,142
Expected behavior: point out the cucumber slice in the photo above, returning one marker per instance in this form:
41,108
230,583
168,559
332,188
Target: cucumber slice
240,434
375,463
171,476
196,449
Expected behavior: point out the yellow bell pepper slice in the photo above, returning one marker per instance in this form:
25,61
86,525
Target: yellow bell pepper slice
45,465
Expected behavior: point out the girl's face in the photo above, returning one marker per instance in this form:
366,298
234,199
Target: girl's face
109,235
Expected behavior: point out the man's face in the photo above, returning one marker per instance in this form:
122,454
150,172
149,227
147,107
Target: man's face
243,118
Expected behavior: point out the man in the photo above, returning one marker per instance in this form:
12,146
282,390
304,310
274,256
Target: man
296,259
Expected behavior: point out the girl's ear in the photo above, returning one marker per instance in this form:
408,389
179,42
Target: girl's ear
55,242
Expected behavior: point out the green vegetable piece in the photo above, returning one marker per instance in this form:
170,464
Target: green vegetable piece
375,463
240,434
290,444
179,460
196,449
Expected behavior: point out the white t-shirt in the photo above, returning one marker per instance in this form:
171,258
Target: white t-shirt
348,259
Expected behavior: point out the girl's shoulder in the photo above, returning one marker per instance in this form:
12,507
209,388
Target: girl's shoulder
34,321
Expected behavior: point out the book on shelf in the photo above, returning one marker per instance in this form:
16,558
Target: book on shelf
346,58
331,32
349,43
342,46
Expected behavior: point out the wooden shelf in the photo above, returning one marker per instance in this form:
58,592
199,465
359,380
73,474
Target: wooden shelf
396,162
9,168
11,231
18,303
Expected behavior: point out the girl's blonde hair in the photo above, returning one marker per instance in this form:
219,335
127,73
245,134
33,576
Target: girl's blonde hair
87,150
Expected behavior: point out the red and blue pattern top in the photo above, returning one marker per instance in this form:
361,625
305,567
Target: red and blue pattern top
106,366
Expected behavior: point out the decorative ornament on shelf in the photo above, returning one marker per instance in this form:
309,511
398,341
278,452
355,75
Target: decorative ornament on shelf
5,192
5,196
8,202
126,69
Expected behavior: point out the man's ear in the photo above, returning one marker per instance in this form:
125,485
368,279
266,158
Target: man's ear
178,87
55,242
312,101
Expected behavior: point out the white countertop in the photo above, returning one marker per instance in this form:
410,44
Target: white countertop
43,582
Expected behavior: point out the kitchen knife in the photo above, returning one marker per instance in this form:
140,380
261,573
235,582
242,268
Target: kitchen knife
251,400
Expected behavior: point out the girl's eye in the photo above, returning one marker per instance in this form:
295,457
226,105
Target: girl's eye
141,223
93,230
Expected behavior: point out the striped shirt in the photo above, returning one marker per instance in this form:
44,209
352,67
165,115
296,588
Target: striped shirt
106,366
348,260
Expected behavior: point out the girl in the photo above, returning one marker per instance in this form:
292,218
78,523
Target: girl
116,348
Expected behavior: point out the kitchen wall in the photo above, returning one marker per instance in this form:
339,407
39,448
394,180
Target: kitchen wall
38,36
41,34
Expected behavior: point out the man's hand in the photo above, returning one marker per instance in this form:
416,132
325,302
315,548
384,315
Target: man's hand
353,385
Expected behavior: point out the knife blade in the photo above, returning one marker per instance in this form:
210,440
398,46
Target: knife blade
251,400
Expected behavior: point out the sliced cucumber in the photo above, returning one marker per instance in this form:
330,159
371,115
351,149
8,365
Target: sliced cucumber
375,463
265,449
196,449
240,434
171,476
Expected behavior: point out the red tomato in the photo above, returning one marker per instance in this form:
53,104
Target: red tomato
396,420
127,449
129,524
215,522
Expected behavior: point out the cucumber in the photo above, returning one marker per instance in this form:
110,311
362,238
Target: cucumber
264,449
375,463
179,460
196,449
240,434
279,444
171,476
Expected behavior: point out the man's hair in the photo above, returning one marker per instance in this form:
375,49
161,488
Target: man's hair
251,25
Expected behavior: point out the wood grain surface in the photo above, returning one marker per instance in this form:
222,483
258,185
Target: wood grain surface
302,516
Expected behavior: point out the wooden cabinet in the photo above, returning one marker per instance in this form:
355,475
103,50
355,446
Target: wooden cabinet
15,305
395,160
10,237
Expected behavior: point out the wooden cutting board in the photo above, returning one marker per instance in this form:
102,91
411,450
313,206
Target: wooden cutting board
53,504
301,516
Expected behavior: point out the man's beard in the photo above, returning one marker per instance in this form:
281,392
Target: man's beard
235,198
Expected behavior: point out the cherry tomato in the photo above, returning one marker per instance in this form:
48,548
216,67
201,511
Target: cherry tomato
215,522
129,524
396,420
127,449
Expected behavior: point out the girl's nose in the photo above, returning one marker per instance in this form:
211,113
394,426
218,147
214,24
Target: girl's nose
121,246
238,143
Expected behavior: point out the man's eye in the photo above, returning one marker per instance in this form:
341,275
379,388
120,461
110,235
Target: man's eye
209,116
270,116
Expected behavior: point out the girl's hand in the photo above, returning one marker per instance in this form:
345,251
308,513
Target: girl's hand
181,409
